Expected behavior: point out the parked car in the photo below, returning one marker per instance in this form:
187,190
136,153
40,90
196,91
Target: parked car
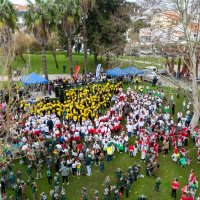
135,54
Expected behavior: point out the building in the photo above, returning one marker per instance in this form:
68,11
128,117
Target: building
145,36
166,28
20,9
194,30
165,20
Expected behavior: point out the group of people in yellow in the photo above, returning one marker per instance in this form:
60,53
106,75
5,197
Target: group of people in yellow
79,105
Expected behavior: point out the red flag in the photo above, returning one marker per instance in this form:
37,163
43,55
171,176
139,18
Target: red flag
76,71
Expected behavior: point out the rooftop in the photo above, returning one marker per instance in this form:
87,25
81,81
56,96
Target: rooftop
19,7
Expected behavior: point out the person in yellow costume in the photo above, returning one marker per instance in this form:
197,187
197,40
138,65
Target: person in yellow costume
109,153
82,103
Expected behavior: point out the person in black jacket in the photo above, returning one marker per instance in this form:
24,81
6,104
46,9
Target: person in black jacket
50,124
173,108
3,186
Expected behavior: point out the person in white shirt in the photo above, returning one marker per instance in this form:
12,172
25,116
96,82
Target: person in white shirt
129,129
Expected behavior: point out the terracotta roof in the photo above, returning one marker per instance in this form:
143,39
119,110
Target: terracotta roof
145,32
194,27
172,15
19,7
178,34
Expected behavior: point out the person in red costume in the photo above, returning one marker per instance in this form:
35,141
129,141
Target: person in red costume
191,177
175,186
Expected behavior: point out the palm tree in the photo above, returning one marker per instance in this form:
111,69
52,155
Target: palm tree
40,19
69,13
85,5
8,20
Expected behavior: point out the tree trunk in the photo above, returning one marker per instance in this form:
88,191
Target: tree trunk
55,58
184,68
195,118
85,39
107,61
44,62
23,59
95,58
195,94
188,66
7,129
197,67
69,47
172,65
167,64
179,65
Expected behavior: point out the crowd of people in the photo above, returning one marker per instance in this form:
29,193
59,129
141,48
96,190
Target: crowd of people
189,190
67,138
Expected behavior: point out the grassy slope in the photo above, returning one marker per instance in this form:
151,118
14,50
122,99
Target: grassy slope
145,61
168,170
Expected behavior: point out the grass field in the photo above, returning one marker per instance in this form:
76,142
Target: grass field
167,171
36,63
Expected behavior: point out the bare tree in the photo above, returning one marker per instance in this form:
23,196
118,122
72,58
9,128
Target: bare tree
22,44
6,58
180,37
53,45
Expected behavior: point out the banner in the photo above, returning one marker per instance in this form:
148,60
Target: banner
98,71
76,71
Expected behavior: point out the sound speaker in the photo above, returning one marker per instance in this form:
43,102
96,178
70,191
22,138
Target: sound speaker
62,96
56,90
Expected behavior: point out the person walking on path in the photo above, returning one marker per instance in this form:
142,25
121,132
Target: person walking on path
64,173
175,186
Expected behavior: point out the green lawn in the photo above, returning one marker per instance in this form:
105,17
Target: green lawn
167,171
36,63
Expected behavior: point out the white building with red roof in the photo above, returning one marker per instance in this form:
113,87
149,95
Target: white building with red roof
20,9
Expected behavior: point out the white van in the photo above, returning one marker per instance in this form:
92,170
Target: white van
152,68
149,75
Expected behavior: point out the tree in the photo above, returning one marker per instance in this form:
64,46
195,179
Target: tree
180,37
68,16
106,35
22,44
40,19
53,45
7,28
85,6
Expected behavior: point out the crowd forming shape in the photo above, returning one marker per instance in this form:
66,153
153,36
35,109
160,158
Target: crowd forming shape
84,134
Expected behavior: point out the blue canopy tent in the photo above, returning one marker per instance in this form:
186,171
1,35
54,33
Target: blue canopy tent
132,71
33,78
115,72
